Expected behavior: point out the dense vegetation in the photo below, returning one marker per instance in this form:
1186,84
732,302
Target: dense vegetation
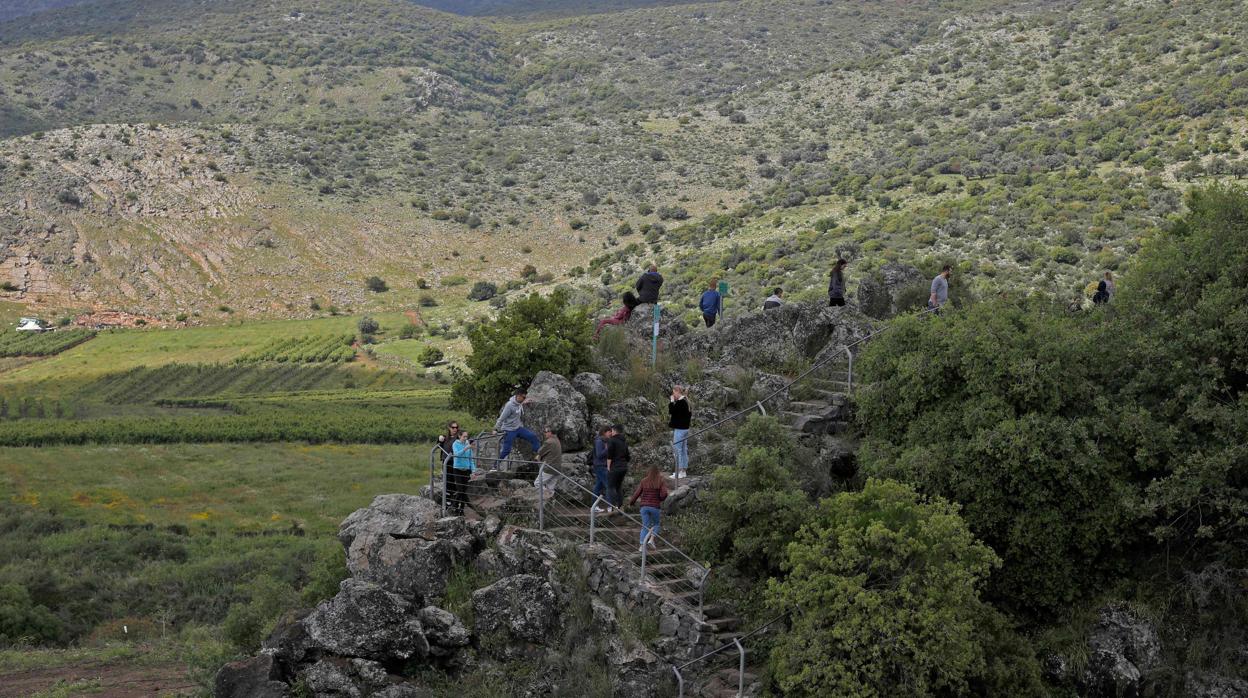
41,343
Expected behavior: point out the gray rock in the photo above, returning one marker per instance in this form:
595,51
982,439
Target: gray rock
773,392
364,620
592,386
1214,686
523,607
413,568
552,401
767,340
639,417
1111,675
604,616
343,678
288,644
712,392
254,677
398,514
879,293
404,690
443,628
1124,648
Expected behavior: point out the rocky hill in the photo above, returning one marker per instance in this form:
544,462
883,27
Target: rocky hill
1031,143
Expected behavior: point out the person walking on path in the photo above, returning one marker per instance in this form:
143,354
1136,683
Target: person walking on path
679,417
711,304
551,454
621,316
652,490
464,464
1107,287
836,284
775,300
618,458
648,285
600,468
511,423
940,289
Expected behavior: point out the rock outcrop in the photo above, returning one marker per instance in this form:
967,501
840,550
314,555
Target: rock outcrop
880,294
553,402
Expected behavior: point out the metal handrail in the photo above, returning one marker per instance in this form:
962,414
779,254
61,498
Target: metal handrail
736,643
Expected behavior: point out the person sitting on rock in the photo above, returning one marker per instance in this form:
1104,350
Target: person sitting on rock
652,490
621,316
510,423
648,285
775,300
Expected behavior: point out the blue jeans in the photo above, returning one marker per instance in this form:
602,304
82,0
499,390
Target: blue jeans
650,517
680,445
509,438
600,482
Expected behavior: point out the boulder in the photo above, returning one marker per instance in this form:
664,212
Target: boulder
523,607
414,568
1199,685
288,644
592,386
344,678
398,514
773,392
254,677
880,293
366,621
552,401
639,417
1123,649
442,628
404,690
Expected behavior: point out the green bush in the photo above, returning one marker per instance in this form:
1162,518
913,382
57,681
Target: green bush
248,623
884,592
482,291
368,325
430,356
755,505
376,284
533,334
24,621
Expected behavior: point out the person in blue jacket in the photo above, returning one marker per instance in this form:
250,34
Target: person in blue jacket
600,468
463,465
712,304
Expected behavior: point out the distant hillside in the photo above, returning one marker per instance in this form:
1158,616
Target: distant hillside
11,9
545,7
162,153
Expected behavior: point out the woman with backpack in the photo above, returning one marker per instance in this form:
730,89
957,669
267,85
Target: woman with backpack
621,316
652,490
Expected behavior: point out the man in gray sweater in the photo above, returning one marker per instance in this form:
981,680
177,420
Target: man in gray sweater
511,423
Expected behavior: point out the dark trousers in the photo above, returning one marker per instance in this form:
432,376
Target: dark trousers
457,487
710,320
835,301
615,486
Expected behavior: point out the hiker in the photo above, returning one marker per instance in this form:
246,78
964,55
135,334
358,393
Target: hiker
446,444
510,423
652,490
617,466
551,454
1105,289
648,285
836,284
600,469
621,316
940,289
679,417
775,300
711,304
464,464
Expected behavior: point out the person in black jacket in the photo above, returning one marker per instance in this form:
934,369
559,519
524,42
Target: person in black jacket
648,286
679,418
836,284
618,459
446,447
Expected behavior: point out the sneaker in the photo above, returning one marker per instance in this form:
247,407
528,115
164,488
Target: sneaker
600,510
642,548
653,545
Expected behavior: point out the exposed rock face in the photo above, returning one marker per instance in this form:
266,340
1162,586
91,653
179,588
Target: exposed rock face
396,514
254,677
766,384
765,340
1124,649
639,417
345,678
414,568
879,293
523,606
592,386
552,401
1211,686
443,630
368,622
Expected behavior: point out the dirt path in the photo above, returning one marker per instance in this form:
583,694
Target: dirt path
414,317
102,680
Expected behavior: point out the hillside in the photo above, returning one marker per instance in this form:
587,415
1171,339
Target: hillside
164,157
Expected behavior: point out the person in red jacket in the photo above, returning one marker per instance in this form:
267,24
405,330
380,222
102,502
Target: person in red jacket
652,490
621,316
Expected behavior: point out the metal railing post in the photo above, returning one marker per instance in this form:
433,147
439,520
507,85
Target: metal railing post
445,477
761,408
593,517
643,562
706,573
541,498
433,459
741,670
680,683
849,374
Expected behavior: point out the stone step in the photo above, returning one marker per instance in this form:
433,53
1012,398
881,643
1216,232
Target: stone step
724,625
809,406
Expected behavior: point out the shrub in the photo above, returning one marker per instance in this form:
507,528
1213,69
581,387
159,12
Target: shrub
430,356
888,589
454,280
533,334
482,291
368,325
409,331
22,620
755,505
376,284
428,301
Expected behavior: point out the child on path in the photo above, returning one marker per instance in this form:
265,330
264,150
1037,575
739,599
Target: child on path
652,490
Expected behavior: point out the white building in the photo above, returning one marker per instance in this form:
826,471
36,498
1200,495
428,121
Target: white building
30,324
